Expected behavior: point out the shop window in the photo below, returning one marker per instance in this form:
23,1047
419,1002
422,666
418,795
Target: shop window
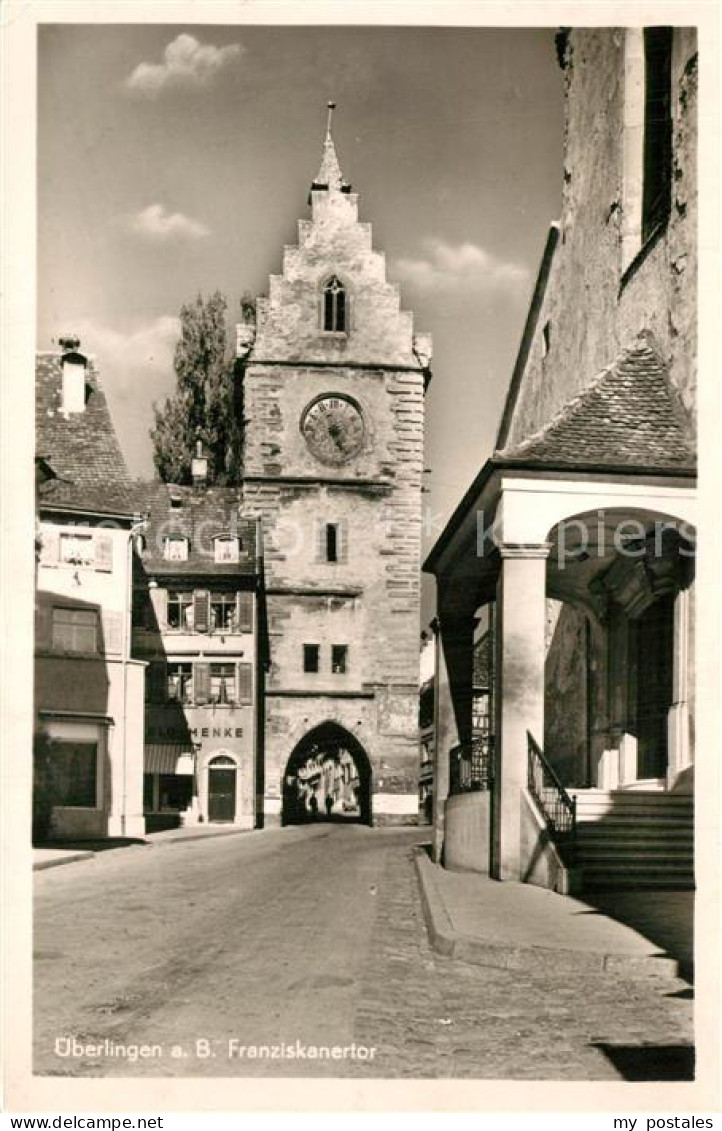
175,549
75,630
335,306
310,657
179,610
226,549
223,683
148,803
179,682
339,659
74,774
175,791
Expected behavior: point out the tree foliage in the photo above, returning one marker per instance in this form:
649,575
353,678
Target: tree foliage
207,404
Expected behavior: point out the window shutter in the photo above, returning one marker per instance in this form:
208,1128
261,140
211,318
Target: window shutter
245,611
104,553
201,610
201,682
159,599
245,683
342,542
321,542
50,548
156,682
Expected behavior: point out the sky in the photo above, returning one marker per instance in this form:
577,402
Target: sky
176,159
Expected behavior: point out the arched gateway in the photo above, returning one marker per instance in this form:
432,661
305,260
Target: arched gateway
327,778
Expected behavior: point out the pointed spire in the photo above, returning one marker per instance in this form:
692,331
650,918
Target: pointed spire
329,175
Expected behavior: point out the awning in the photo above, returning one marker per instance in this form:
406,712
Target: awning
167,758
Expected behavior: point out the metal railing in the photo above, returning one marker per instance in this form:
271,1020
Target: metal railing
471,765
558,809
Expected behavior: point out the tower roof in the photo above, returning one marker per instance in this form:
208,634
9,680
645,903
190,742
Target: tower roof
329,175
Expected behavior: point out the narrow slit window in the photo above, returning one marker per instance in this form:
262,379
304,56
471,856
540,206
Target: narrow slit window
331,542
657,191
334,306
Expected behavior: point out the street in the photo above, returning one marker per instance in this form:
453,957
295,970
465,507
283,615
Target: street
301,937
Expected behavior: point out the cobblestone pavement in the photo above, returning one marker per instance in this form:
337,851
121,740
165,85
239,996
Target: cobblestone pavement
313,936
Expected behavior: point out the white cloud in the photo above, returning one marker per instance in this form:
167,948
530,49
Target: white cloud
158,224
450,265
186,62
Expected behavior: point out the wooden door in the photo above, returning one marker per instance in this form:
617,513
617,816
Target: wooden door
221,793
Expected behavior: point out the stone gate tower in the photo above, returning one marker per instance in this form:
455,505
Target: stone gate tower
334,383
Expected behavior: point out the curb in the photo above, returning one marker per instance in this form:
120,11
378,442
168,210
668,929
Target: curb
42,865
149,842
477,951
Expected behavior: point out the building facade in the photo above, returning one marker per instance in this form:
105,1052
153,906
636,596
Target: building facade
334,381
88,688
199,624
586,550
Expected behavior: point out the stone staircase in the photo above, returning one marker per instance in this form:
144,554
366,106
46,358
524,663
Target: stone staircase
630,839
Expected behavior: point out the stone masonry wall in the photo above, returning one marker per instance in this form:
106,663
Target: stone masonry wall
368,600
590,310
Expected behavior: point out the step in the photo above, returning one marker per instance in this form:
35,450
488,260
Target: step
663,801
635,851
596,830
637,883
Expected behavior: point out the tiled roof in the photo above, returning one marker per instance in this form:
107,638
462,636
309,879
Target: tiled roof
629,415
80,449
201,515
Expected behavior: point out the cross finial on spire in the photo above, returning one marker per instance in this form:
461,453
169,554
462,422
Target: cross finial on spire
329,175
331,107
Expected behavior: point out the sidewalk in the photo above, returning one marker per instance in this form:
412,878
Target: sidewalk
52,856
521,927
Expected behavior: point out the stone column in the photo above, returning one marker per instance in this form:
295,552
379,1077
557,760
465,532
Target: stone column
678,724
519,693
452,707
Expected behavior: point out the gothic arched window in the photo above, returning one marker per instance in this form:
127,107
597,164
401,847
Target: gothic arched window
335,306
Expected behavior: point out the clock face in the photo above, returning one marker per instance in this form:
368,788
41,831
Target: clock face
333,429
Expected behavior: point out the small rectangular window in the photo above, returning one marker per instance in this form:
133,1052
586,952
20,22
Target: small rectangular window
310,657
180,682
75,630
223,683
175,549
331,542
224,612
74,774
77,549
339,659
226,550
179,610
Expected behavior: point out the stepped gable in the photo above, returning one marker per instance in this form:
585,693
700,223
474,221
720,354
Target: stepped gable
201,515
79,451
334,244
629,415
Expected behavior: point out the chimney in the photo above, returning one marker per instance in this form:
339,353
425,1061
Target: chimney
75,367
199,465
